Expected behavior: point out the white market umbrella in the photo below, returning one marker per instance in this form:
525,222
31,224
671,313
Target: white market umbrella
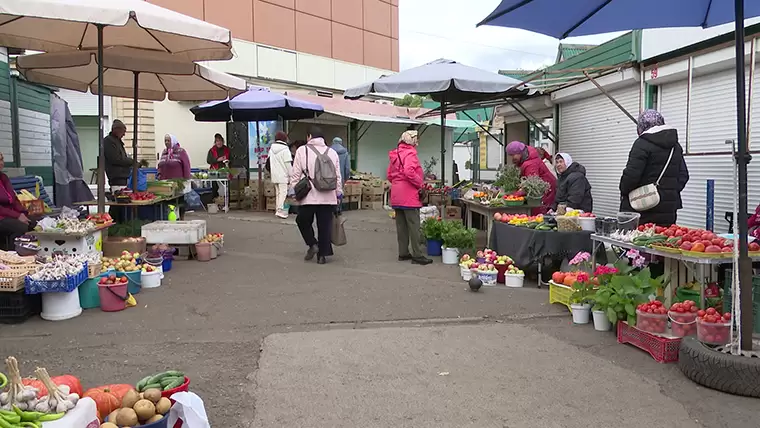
130,73
66,25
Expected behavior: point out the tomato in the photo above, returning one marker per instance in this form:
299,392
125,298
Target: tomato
710,311
701,313
657,303
650,311
694,309
659,229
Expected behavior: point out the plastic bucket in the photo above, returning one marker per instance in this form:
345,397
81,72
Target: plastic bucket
628,221
450,256
60,306
113,297
135,281
203,251
214,251
601,322
581,313
434,247
151,279
501,271
89,297
166,265
514,280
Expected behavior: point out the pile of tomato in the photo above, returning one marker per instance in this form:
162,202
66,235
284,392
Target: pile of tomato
652,317
712,327
684,315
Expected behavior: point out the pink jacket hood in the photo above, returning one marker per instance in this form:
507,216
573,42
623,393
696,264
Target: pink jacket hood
406,177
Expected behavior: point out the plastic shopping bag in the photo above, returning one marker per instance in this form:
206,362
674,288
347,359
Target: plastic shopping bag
188,410
338,237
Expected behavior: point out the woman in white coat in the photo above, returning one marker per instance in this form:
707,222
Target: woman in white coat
279,163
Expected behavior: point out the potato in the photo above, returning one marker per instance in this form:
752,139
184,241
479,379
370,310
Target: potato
130,398
126,417
112,416
145,409
108,425
155,418
163,406
152,394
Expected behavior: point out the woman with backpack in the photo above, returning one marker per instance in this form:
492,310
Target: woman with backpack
316,183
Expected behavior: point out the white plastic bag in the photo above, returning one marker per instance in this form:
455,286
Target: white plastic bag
189,409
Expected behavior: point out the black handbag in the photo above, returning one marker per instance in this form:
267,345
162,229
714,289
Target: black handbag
303,187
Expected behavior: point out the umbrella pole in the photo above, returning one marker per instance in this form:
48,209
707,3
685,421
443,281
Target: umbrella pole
742,159
134,133
443,141
101,151
262,199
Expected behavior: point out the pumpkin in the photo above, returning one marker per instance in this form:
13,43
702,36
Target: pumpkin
107,397
69,380
570,280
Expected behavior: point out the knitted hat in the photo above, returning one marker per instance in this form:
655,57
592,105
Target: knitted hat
515,148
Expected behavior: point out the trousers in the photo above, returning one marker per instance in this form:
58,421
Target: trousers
408,233
281,193
305,221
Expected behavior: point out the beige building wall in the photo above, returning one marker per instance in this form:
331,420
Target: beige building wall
362,32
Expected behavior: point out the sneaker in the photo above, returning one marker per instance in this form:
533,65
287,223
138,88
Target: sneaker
405,258
311,252
321,260
424,261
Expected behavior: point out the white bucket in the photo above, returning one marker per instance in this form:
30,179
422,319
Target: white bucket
588,223
151,279
450,256
514,280
601,322
465,273
214,251
581,313
213,208
60,306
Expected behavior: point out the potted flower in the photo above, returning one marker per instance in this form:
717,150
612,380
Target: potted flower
534,187
455,238
432,229
601,299
580,300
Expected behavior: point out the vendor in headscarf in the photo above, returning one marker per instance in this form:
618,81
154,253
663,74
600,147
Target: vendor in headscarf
529,162
573,189
655,158
174,162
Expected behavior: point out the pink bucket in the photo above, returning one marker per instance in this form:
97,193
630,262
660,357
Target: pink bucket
113,297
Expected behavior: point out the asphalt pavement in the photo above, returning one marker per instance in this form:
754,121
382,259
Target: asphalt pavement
365,337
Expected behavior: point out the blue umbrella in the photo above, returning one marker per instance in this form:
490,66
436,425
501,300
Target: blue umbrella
256,104
565,18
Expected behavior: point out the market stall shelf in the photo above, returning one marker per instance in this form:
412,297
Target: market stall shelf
474,207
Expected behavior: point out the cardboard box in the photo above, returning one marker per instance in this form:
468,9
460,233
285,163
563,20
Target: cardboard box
366,205
352,188
372,198
271,203
372,191
452,212
354,199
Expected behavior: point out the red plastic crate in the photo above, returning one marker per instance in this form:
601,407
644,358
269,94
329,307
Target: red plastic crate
662,349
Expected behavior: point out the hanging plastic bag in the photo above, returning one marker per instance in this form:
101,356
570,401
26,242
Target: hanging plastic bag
189,410
193,200
142,180
338,237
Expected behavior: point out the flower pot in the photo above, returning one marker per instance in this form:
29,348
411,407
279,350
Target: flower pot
581,313
434,247
450,256
601,322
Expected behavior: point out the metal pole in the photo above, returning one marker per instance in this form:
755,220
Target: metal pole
443,141
135,102
614,101
262,199
101,152
742,160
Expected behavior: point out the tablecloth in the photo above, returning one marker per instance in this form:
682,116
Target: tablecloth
527,246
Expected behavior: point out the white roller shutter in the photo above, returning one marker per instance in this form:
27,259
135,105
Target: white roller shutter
673,98
599,136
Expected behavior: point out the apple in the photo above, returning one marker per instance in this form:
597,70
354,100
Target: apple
754,246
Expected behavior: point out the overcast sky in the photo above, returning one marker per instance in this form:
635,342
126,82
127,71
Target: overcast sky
432,29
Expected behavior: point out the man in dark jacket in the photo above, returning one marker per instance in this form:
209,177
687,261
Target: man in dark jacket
343,157
573,188
118,164
655,158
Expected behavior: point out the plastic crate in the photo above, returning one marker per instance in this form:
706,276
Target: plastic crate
18,306
560,294
175,232
662,349
65,285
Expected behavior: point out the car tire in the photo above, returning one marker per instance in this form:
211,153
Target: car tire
733,374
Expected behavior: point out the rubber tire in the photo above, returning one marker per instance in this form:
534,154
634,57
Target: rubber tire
723,372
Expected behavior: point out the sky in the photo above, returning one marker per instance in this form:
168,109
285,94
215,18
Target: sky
432,29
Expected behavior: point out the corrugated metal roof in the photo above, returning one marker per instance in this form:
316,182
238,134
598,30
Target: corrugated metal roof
516,74
569,50
372,117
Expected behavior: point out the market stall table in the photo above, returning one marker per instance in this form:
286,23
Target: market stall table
527,246
671,263
159,205
58,241
488,211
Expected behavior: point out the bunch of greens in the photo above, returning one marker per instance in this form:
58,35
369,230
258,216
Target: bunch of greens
508,178
458,236
534,187
433,228
621,292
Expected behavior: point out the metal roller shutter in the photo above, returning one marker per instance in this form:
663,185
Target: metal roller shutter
599,136
673,107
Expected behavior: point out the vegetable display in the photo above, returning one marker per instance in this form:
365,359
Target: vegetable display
107,397
127,262
163,381
58,268
138,409
24,406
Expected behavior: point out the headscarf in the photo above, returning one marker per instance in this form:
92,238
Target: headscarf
566,157
649,119
337,140
515,148
174,144
408,137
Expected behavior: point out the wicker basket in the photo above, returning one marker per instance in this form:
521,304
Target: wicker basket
11,258
12,278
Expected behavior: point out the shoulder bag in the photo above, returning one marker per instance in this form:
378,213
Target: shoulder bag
303,187
647,197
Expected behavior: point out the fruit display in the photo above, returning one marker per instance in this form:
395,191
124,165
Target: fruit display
521,220
712,327
514,198
213,237
163,381
504,260
514,270
487,268
146,268
142,196
127,262
569,279
100,218
112,279
138,408
652,317
683,316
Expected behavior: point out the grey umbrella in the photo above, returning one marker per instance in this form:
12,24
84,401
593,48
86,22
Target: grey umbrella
447,82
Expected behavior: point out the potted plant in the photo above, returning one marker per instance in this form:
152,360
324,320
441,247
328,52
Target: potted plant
455,238
601,299
432,229
626,289
580,300
534,187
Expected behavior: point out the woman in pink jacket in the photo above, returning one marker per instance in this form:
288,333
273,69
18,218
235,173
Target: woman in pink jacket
321,204
407,178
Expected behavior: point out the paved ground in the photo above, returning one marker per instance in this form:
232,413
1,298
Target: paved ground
508,353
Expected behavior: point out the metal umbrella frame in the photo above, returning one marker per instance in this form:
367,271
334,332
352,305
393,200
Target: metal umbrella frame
600,18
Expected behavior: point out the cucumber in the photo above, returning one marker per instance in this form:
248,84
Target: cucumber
141,385
175,384
157,378
152,386
169,380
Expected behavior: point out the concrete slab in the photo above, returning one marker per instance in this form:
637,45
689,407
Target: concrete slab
495,375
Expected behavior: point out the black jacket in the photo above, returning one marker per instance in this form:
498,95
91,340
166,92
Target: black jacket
573,189
118,164
646,161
